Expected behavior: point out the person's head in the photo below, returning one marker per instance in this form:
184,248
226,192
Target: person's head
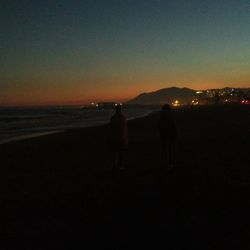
118,108
166,110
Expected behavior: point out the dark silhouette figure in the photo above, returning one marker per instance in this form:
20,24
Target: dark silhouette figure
168,135
118,136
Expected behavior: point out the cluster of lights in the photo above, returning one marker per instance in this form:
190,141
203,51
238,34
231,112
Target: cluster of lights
99,105
176,103
94,104
245,102
195,102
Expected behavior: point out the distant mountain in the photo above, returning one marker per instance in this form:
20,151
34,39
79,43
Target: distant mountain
166,95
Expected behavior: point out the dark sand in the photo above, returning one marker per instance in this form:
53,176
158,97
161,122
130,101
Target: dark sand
58,192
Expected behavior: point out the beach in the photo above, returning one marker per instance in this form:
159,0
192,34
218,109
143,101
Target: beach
59,192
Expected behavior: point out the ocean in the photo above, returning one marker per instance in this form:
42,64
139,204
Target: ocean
21,123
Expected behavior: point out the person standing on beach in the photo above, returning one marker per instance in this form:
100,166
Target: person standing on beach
168,136
118,136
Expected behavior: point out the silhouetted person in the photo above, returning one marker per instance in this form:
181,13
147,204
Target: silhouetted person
118,136
168,135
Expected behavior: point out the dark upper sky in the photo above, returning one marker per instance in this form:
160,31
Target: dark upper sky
71,51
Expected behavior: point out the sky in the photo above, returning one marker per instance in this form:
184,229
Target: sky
78,51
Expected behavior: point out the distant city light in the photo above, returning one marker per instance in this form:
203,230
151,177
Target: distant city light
195,102
176,103
245,102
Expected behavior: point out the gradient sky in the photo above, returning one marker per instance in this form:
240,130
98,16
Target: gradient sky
70,52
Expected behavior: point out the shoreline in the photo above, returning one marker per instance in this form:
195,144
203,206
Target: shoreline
50,132
56,131
28,136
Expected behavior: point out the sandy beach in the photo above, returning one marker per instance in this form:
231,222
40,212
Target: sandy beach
58,190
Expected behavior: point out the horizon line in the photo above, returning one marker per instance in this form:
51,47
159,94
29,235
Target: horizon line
81,103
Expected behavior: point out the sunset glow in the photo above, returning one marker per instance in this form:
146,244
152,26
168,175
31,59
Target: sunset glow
75,52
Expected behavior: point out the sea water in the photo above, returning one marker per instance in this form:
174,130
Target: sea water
20,123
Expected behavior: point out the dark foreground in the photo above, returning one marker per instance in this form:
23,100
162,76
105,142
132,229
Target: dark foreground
58,192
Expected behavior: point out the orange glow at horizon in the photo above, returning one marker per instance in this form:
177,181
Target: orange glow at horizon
77,52
78,94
